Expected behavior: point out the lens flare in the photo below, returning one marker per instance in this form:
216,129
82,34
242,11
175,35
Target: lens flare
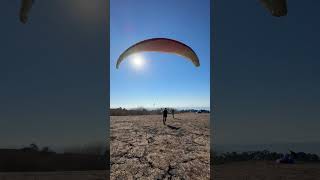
137,62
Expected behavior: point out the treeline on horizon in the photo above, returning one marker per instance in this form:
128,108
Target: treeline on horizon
144,111
260,155
35,159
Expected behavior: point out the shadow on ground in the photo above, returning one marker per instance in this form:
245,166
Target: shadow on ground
173,127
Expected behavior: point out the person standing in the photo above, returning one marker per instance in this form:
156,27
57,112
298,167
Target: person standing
172,112
165,113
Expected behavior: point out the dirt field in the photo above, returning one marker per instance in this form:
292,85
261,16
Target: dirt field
143,148
266,170
89,175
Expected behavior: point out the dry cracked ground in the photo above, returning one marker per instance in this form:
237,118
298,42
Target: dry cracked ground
143,148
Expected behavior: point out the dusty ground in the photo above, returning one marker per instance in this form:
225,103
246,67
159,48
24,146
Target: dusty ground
84,175
143,148
266,170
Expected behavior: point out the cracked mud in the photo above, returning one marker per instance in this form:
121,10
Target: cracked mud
143,148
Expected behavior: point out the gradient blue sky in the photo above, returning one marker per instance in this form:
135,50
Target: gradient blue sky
266,73
53,74
166,79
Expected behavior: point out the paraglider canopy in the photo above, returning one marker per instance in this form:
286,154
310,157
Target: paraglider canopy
26,6
277,8
161,45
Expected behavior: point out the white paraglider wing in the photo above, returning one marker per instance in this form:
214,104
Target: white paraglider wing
26,6
277,8
161,45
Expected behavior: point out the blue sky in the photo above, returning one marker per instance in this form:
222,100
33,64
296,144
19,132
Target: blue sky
266,69
266,73
166,79
53,74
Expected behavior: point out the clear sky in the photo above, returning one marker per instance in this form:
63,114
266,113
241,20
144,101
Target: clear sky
164,79
266,73
52,73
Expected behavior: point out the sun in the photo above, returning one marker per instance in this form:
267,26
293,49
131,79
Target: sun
137,62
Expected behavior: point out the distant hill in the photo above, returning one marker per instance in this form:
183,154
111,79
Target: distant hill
312,147
145,111
34,160
264,155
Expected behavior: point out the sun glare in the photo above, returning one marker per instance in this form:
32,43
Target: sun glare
137,61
